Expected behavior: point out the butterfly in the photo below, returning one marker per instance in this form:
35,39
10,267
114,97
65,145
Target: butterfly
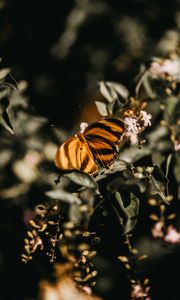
96,146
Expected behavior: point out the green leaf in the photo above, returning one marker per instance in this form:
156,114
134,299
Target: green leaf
144,85
157,188
64,196
102,108
130,212
113,90
168,162
5,116
4,72
172,109
82,179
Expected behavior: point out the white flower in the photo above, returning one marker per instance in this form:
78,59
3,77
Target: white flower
138,292
83,126
132,136
172,235
166,67
157,229
132,125
146,118
177,144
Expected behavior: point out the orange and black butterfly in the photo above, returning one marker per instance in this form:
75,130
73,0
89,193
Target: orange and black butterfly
97,145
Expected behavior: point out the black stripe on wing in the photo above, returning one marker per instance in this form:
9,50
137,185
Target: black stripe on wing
107,129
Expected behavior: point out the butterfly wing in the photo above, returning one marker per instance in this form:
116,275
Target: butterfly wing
104,153
74,154
109,130
102,138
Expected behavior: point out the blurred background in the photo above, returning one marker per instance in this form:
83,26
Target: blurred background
63,48
58,51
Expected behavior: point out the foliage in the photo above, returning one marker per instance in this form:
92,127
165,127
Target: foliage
91,235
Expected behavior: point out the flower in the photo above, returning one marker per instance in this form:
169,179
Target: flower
157,229
138,292
165,67
172,236
145,117
83,126
132,136
132,125
177,144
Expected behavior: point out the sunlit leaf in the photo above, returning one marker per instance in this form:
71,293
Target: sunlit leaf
113,90
64,196
102,108
4,72
82,179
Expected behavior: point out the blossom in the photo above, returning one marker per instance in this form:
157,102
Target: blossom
157,229
83,126
165,67
138,292
132,125
172,236
177,144
145,117
132,136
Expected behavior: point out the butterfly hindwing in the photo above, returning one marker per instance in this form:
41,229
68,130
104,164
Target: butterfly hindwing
104,152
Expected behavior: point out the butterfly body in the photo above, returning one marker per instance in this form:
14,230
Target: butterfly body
97,145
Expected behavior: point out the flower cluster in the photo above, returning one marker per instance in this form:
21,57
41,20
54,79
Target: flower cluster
165,68
171,234
139,292
134,125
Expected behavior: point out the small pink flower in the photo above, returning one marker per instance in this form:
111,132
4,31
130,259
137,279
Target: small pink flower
138,292
172,236
87,289
177,144
166,67
132,136
145,117
132,125
157,229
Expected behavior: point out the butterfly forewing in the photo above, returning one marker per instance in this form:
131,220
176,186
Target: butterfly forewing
109,130
73,154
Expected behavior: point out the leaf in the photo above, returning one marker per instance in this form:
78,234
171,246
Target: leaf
144,86
114,106
64,196
113,90
172,109
5,119
168,162
4,72
157,158
156,188
82,179
159,175
102,108
130,212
